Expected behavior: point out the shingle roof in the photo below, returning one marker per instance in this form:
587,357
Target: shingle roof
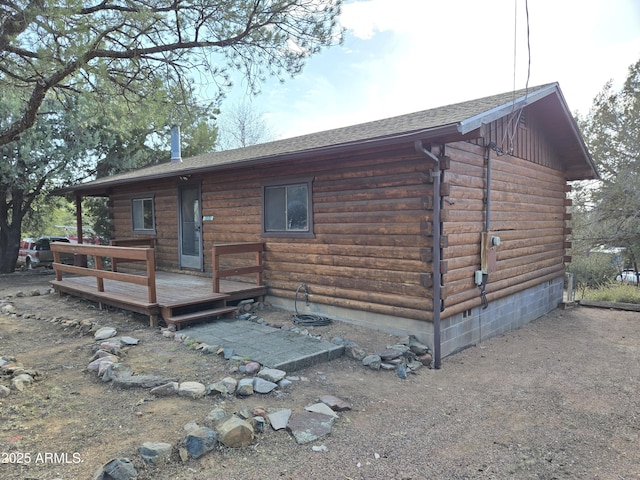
458,118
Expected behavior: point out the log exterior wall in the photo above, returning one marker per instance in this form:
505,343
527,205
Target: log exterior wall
527,211
372,222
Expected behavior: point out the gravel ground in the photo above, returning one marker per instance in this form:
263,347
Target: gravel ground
556,399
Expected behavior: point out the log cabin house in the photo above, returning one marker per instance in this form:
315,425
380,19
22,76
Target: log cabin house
448,224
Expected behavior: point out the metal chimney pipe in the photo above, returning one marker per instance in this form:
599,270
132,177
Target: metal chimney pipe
176,156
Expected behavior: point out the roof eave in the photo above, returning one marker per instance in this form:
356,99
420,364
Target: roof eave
470,124
441,132
475,122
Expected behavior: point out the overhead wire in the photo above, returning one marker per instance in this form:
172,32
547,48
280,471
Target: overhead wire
514,118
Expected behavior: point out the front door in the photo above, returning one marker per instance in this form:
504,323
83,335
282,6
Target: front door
190,227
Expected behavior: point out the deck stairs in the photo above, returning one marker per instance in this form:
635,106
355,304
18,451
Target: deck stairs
178,313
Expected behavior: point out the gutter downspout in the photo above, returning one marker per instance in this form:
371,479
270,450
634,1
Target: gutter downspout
437,301
487,229
488,205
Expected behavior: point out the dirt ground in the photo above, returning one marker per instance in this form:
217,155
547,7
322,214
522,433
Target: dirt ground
556,399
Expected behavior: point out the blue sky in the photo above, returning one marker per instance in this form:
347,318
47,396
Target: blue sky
402,56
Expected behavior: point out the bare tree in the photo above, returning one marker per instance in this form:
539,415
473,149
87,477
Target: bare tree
241,126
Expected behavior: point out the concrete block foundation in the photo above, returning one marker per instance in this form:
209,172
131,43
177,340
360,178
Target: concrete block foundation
458,331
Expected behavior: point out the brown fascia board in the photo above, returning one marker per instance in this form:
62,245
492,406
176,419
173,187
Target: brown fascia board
441,134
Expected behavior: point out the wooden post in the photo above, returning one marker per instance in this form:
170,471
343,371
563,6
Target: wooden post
56,259
259,264
151,274
79,218
216,268
79,260
98,262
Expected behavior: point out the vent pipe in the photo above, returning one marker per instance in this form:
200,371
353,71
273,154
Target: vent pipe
176,156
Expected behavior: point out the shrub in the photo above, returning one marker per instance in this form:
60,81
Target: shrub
592,271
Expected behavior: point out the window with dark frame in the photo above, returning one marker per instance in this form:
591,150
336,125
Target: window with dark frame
143,215
287,209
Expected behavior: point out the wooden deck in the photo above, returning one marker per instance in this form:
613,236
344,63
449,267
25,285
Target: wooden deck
180,298
176,298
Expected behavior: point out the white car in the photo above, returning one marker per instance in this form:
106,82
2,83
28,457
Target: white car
627,276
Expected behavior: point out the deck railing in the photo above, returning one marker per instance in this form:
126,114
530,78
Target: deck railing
130,242
233,249
98,252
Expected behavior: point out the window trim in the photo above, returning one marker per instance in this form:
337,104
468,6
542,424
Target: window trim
309,233
144,231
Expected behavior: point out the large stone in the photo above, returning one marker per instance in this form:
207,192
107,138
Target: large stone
417,346
103,367
272,374
322,408
218,388
310,426
7,309
101,353
4,391
141,381
355,352
414,365
261,385
94,366
231,384
390,353
165,390
123,378
280,418
245,387
209,349
425,359
200,441
401,347
372,361
235,432
245,413
112,346
336,404
20,381
116,469
259,424
191,389
155,453
190,427
215,415
104,333
85,326
250,368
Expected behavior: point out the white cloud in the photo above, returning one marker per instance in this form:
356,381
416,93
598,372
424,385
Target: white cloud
365,18
407,55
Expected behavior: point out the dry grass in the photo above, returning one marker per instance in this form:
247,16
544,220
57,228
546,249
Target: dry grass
623,293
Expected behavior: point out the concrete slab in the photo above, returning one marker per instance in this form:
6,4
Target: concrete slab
271,347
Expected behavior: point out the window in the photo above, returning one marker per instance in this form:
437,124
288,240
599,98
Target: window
143,215
287,209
